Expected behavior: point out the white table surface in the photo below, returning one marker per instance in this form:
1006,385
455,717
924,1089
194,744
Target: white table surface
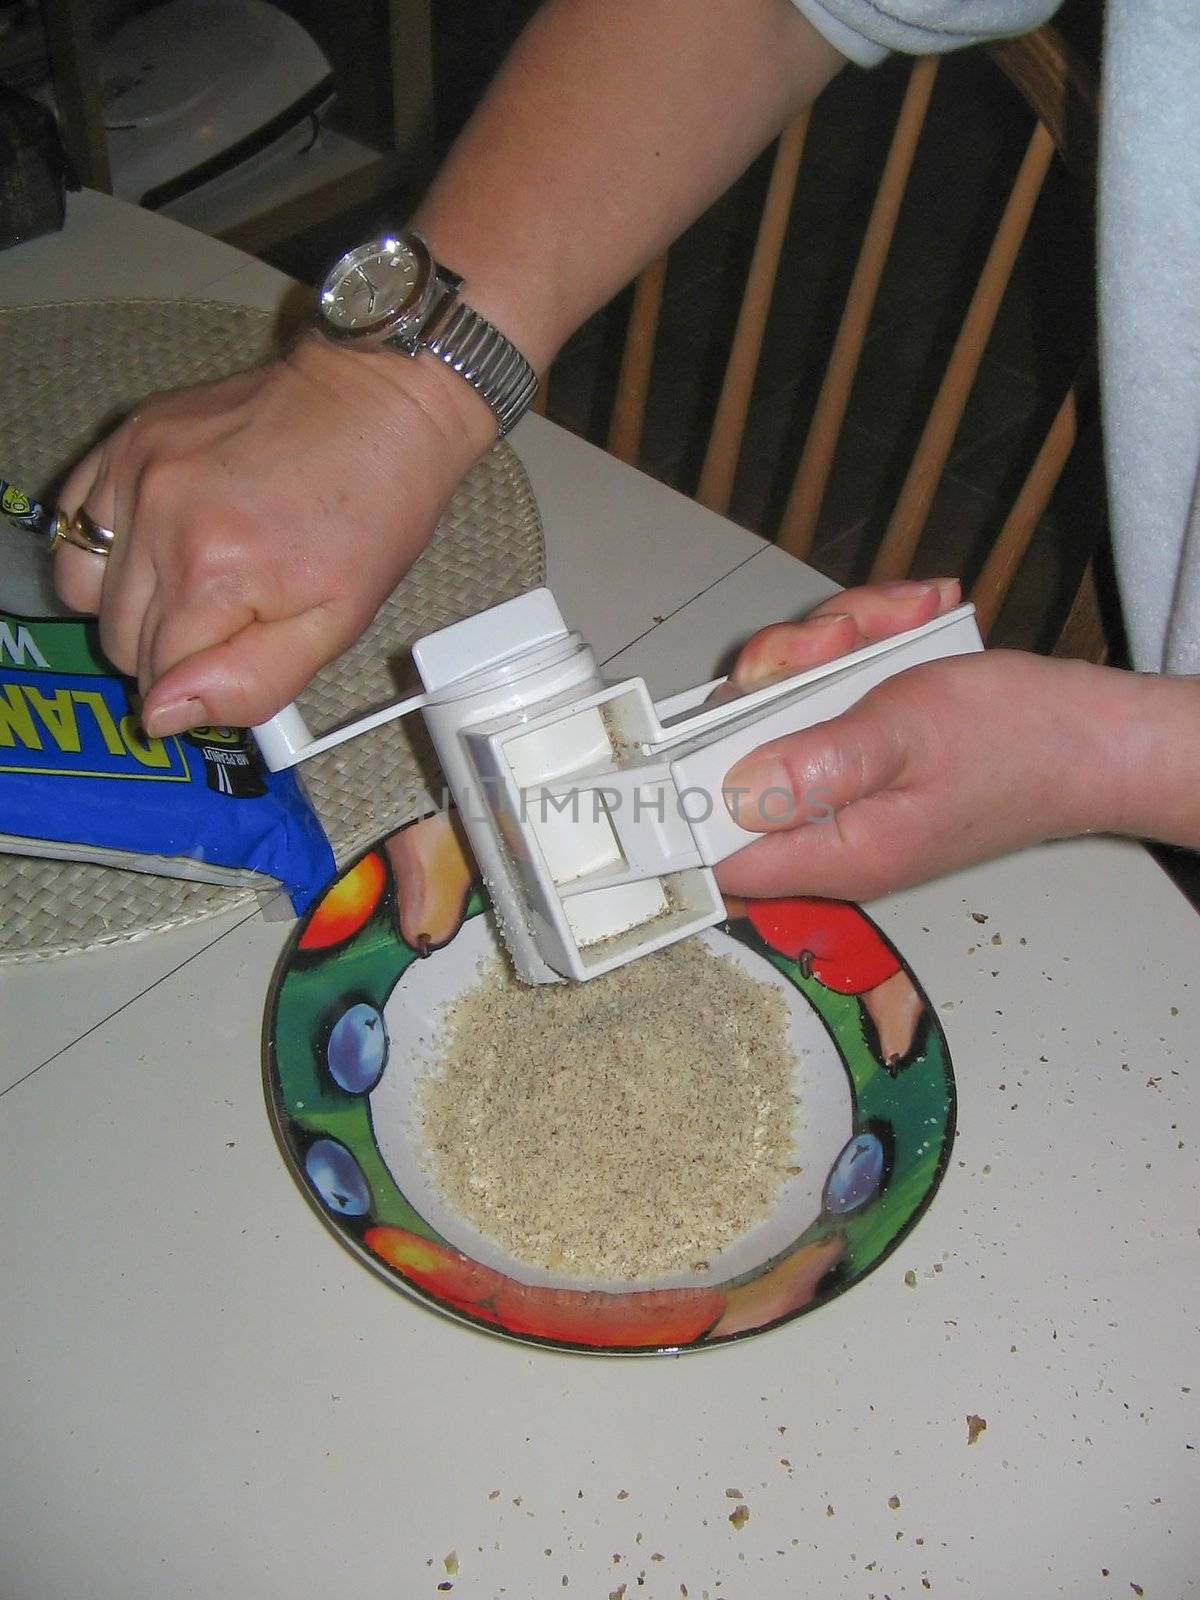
204,1394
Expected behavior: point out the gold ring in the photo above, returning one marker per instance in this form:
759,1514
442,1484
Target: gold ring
84,534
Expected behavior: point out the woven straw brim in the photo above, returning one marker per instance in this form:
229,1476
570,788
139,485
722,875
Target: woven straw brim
69,371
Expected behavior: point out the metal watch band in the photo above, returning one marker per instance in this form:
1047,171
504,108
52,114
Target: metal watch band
493,367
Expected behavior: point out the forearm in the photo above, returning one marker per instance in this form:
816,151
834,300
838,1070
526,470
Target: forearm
612,125
1088,749
1148,732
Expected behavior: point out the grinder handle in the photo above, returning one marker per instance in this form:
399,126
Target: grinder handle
284,740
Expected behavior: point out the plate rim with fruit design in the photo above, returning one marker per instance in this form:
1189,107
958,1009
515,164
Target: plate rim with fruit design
348,953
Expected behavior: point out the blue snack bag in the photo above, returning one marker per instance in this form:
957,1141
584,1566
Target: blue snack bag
80,779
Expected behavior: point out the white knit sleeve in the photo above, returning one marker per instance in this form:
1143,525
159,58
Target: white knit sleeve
866,30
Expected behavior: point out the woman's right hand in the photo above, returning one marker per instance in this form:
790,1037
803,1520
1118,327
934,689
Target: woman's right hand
261,521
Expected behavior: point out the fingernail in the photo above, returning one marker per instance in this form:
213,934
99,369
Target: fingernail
908,586
948,587
745,677
176,716
757,793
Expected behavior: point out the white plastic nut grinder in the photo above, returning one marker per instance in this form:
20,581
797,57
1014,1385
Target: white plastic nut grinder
595,814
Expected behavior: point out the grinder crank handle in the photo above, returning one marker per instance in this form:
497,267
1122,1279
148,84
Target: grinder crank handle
284,739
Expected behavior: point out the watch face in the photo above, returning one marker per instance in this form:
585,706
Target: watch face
375,287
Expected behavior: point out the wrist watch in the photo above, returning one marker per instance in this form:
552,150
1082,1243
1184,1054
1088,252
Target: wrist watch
391,293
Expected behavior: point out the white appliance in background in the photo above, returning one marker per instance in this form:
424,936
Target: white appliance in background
214,111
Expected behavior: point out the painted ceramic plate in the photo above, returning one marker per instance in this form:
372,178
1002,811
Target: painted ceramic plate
356,1001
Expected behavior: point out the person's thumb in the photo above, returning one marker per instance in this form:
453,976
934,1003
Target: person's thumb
803,776
239,683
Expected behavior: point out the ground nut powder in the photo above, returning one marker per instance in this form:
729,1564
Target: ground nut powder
623,1128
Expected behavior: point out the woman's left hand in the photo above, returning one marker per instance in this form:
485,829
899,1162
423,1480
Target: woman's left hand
949,763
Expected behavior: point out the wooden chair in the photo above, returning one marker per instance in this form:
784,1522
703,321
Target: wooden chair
1061,96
